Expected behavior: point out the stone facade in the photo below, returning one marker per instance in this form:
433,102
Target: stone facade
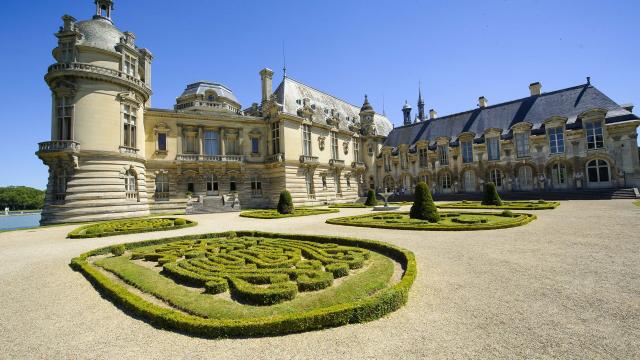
112,155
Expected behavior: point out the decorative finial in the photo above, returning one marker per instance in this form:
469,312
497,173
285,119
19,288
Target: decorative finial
588,80
284,62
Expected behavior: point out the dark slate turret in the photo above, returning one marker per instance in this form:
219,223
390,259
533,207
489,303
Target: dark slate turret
420,105
406,113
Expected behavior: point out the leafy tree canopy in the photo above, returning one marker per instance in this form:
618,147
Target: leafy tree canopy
21,198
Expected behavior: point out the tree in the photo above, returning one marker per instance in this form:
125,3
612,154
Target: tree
285,204
21,198
423,207
371,198
491,196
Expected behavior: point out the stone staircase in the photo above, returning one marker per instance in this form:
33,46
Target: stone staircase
585,194
214,204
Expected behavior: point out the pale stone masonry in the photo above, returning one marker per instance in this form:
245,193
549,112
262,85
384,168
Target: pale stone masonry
112,155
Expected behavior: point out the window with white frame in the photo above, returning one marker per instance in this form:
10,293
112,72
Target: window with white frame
522,144
275,137
211,142
443,154
64,118
595,139
356,150
467,151
129,66
495,176
130,185
422,157
556,140
306,140
129,118
493,148
445,181
162,186
335,153
598,171
256,186
559,174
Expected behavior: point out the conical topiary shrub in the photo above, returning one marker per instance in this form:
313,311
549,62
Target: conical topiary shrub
491,196
371,198
423,207
285,204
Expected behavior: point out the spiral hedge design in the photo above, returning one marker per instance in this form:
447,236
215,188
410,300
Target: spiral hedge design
254,267
129,226
258,271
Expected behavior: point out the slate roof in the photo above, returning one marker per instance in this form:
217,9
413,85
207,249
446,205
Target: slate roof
201,87
568,103
290,91
99,33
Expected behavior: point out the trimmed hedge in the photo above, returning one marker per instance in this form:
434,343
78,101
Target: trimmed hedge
491,196
274,214
371,198
381,303
423,207
130,226
396,221
506,205
285,203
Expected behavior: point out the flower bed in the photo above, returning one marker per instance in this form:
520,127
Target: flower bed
256,268
132,226
510,205
274,214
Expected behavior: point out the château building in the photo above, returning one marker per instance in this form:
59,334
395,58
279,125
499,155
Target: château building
112,155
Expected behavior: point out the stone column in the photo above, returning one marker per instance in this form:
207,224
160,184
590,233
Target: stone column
200,141
179,149
222,141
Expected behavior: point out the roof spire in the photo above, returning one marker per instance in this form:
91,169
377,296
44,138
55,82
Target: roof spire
420,102
284,62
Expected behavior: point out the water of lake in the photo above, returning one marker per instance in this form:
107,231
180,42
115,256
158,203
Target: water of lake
12,222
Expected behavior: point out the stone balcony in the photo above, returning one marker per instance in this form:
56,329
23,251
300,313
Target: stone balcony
210,158
97,72
309,160
336,163
275,158
358,166
58,146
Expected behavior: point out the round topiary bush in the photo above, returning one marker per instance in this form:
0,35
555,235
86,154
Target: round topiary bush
371,198
285,204
118,250
491,196
423,207
179,222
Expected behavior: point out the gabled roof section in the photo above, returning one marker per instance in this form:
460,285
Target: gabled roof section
290,93
568,103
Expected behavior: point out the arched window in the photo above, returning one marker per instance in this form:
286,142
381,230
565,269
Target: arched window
130,185
424,178
256,186
525,177
162,187
469,181
389,184
445,181
559,174
495,176
598,171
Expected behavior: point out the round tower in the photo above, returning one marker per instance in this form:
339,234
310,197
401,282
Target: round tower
406,113
100,85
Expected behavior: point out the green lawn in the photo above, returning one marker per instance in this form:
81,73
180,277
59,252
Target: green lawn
450,221
636,203
274,214
506,205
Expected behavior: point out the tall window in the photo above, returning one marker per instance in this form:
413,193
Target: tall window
445,181
255,145
211,143
311,191
66,52
495,176
356,150
60,185
387,162
525,177
162,187
129,65
130,185
559,174
443,154
162,141
256,186
493,148
190,141
556,140
422,157
595,139
306,140
335,154
467,152
233,185
403,160
129,118
64,118
522,144
275,137
598,171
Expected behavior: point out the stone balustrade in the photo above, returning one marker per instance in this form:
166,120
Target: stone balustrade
59,145
309,160
279,157
61,68
210,158
336,163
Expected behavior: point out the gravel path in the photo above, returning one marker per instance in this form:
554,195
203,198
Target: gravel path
564,286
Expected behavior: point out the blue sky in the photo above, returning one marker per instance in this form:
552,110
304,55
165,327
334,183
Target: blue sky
459,50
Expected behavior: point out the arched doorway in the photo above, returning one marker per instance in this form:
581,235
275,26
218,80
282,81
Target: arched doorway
469,181
598,174
445,182
496,177
406,183
525,178
388,184
213,187
559,176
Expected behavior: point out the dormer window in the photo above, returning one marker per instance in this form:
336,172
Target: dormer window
129,66
493,148
210,98
67,52
556,140
595,138
522,144
467,151
443,154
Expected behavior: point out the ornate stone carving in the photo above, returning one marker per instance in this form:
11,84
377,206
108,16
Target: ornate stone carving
345,147
321,140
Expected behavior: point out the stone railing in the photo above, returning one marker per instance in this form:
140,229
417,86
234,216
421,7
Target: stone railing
128,150
58,145
358,165
336,163
309,160
99,70
210,158
279,157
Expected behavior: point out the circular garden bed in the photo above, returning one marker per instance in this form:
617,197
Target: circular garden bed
131,226
274,214
449,221
251,283
511,205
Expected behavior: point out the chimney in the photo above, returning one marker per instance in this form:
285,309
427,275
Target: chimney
535,88
432,114
482,102
266,77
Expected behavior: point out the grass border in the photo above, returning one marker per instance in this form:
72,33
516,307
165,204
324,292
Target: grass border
277,215
385,301
345,222
76,233
548,205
